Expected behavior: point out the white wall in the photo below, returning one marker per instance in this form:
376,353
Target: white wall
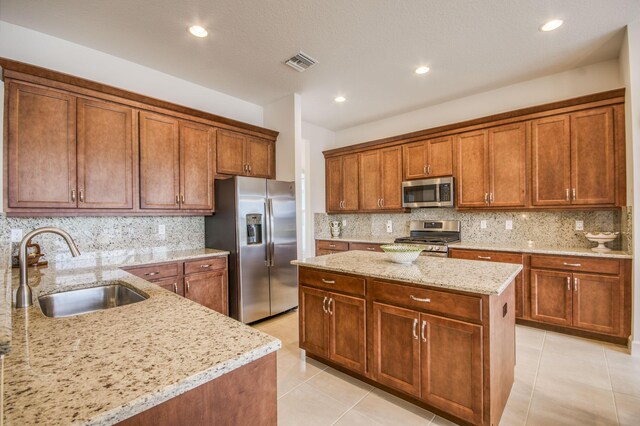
569,84
630,72
281,116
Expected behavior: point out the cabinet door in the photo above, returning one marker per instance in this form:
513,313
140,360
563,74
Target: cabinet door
314,324
473,169
347,332
350,182
507,165
440,157
174,285
415,160
41,148
370,176
196,167
208,289
550,161
551,297
333,188
159,162
391,162
105,155
451,366
596,303
592,157
230,153
260,158
396,348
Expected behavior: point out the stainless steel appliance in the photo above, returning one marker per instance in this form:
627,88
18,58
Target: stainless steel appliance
434,235
255,220
435,192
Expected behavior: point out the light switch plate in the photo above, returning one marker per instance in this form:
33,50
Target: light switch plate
508,224
344,222
16,235
389,226
579,225
483,224
161,229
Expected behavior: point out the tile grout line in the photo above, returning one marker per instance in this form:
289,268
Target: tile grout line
303,382
613,395
535,379
353,406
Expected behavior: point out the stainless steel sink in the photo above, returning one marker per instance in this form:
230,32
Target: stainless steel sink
83,301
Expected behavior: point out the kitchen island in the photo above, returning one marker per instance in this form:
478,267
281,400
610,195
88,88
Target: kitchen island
164,360
439,332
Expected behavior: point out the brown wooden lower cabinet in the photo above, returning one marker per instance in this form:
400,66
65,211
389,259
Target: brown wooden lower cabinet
464,369
208,289
551,297
174,284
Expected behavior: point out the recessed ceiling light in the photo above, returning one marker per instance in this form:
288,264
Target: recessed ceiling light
198,31
422,70
339,99
552,25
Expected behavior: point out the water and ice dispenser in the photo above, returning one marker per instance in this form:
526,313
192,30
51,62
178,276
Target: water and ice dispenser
254,228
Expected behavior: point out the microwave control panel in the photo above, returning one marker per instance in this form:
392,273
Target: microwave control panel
445,192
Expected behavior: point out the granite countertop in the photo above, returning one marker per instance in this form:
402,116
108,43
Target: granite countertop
455,274
106,366
538,249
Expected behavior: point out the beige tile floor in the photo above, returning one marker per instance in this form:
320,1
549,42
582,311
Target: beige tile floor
560,380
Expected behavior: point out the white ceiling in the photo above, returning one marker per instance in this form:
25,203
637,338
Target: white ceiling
367,49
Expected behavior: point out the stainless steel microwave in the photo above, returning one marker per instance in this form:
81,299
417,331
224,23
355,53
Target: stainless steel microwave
436,192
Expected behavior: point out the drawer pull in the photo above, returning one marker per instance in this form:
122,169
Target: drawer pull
205,266
370,248
328,281
571,264
332,245
424,324
484,257
150,274
417,299
415,326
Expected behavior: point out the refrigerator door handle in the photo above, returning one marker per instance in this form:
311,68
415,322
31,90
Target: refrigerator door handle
271,243
267,234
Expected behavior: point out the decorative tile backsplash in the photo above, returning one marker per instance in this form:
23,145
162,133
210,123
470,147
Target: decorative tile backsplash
543,228
93,234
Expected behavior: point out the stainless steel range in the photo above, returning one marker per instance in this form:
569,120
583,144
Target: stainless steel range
434,235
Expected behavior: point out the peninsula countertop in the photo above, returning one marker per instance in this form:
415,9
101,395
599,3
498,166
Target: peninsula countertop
455,274
103,367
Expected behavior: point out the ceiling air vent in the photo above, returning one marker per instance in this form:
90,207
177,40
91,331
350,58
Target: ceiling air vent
300,62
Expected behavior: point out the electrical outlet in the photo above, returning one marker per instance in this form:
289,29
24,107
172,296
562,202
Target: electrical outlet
344,222
16,235
508,224
161,229
389,226
579,225
483,224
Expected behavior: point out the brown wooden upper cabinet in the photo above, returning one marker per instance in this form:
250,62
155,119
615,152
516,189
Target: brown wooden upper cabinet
176,164
381,179
342,183
239,154
573,159
66,152
491,167
430,158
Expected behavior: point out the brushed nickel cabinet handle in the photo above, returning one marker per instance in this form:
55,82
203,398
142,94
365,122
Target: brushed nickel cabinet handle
371,248
424,170
569,283
177,199
415,326
424,325
250,170
324,305
571,264
329,306
205,266
484,257
429,169
328,281
81,195
188,286
566,195
332,245
491,197
575,284
417,299
486,197
73,195
573,193
175,288
150,274
182,198
382,202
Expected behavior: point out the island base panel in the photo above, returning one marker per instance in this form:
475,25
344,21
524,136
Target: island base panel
243,396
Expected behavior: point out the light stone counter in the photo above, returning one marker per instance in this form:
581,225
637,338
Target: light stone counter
538,249
103,367
455,274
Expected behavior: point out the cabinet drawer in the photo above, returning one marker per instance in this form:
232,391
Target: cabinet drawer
331,281
449,304
578,264
487,256
154,272
365,247
322,252
332,245
204,265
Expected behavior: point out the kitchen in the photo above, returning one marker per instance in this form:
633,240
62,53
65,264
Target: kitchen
140,159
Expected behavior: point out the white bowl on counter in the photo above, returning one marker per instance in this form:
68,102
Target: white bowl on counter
601,238
402,253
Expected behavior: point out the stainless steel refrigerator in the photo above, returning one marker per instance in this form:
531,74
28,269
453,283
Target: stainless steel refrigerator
255,220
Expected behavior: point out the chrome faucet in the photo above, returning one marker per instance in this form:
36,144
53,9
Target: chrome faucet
24,297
